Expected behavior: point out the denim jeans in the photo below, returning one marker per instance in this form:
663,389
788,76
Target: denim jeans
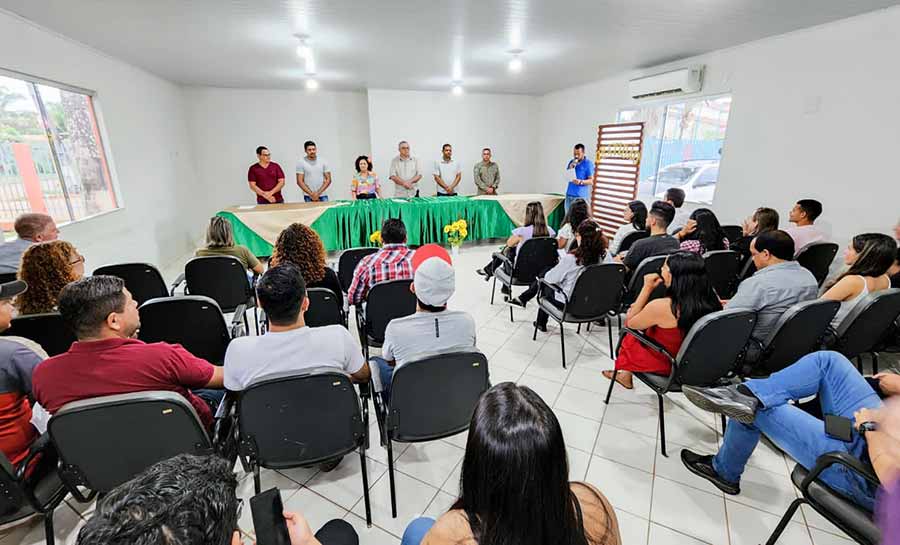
416,530
211,396
386,373
322,198
571,198
841,391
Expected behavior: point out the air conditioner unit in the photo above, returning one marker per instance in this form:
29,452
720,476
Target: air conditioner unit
684,80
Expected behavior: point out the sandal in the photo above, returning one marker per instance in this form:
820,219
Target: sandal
609,375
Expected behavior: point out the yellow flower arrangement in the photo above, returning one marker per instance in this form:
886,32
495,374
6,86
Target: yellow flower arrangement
456,232
375,238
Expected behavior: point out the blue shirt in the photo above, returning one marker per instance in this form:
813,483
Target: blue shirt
584,170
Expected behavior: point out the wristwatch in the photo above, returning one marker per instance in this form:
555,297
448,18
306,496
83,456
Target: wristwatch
867,426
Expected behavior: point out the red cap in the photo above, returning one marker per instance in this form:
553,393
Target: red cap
428,251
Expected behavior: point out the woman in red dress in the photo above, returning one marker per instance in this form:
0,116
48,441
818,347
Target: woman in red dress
689,297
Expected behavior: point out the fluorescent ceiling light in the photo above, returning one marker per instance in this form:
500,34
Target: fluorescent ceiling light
312,84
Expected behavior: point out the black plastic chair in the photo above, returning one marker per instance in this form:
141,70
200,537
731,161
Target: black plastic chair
143,280
652,264
802,329
855,520
193,321
293,420
747,270
631,238
8,277
384,302
48,330
723,268
864,328
733,232
347,263
817,258
324,308
536,256
597,295
431,398
223,279
105,441
41,491
711,350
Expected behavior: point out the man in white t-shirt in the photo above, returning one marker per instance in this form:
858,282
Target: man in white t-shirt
447,174
432,329
313,175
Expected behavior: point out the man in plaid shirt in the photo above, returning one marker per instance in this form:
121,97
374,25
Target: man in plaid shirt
391,262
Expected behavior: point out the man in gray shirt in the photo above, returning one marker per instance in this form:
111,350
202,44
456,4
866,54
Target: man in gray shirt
405,172
31,229
778,283
313,174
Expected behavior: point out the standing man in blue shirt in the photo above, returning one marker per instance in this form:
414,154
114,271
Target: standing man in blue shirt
580,187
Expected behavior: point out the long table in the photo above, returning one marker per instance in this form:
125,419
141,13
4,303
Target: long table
348,224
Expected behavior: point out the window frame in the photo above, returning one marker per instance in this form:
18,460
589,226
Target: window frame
101,129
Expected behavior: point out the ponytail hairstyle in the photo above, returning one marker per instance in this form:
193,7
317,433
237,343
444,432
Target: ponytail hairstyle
691,291
639,218
876,255
592,248
534,216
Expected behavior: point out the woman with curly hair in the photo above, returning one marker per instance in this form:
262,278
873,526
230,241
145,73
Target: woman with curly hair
301,246
47,268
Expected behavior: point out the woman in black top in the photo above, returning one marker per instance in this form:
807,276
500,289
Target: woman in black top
301,246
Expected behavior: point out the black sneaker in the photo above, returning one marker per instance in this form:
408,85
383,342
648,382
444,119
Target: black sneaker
702,466
727,400
541,328
504,289
483,273
514,301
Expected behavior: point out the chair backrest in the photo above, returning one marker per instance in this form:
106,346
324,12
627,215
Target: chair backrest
636,282
296,419
222,278
106,441
347,263
11,496
723,268
324,308
536,256
386,301
733,232
865,326
8,277
434,397
193,321
143,280
48,330
631,238
748,270
797,332
597,290
818,258
711,348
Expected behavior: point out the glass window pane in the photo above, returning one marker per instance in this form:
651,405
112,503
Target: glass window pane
28,177
73,124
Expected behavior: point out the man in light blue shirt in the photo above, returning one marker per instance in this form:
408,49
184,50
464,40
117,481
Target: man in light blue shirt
580,186
31,229
778,283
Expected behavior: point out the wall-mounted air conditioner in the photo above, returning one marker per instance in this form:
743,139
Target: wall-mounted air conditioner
684,80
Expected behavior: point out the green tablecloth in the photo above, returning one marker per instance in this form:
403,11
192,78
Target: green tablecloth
349,226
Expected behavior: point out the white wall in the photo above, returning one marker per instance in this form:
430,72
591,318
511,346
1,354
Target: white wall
815,114
146,133
428,120
227,125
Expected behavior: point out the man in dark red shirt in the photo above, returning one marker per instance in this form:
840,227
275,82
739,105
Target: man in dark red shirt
106,360
266,178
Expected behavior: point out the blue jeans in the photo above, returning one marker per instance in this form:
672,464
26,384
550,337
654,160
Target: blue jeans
416,530
307,198
841,391
571,198
386,372
211,396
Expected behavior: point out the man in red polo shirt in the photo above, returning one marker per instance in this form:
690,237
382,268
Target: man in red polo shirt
266,178
106,360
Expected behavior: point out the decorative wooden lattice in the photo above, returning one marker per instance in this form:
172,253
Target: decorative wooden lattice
618,165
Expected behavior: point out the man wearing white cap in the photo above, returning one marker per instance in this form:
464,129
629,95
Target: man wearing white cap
432,329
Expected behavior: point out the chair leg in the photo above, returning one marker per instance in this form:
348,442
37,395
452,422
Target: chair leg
578,331
365,479
534,336
246,323
874,363
493,289
609,330
588,327
562,343
256,319
662,427
510,312
391,478
611,384
859,364
724,423
257,486
782,524
49,536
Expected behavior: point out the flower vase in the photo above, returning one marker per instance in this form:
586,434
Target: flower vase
454,250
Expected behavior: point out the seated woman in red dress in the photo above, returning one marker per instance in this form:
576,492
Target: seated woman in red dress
689,297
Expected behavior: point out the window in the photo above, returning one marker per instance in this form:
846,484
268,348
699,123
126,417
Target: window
52,158
682,146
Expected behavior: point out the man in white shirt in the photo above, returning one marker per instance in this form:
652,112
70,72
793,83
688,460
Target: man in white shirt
405,172
432,329
31,228
313,175
804,215
447,174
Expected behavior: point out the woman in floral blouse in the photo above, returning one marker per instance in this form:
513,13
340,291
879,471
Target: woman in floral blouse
365,184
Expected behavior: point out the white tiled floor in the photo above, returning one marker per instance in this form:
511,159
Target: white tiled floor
615,447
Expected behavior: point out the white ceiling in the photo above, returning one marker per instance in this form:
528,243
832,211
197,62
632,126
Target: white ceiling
412,44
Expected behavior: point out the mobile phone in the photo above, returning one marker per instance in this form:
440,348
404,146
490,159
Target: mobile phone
268,518
839,427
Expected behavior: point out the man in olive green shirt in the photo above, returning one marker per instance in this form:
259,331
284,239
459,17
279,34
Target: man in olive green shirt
487,174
